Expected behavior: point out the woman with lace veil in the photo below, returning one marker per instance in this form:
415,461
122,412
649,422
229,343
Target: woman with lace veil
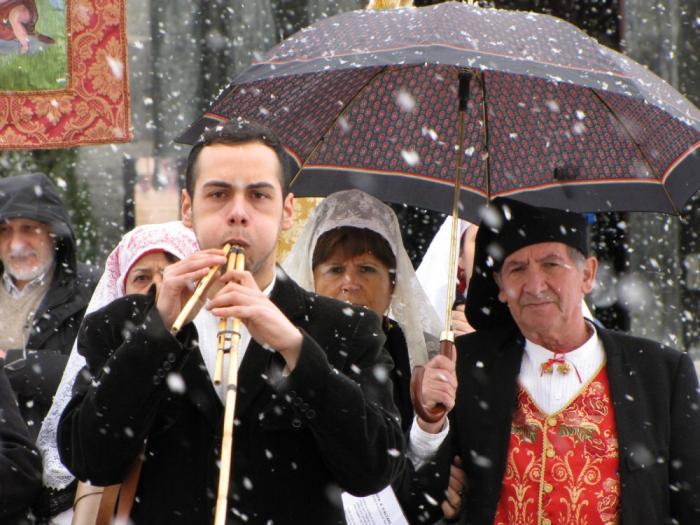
351,249
132,267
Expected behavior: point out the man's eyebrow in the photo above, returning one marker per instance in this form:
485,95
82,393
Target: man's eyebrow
260,186
226,184
551,256
513,262
217,184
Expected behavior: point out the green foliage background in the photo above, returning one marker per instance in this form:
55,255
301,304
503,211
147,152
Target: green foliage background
47,69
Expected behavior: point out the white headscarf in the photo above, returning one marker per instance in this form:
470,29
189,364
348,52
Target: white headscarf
410,307
172,237
433,271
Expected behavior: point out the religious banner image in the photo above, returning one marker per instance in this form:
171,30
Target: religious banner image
63,74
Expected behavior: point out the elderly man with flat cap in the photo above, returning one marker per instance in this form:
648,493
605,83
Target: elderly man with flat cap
558,421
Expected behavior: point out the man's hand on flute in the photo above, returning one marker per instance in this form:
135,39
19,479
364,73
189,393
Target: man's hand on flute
241,298
180,280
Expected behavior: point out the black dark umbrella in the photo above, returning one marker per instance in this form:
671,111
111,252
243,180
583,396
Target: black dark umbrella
369,99
522,105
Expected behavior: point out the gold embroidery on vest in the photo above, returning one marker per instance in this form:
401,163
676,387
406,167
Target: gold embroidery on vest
571,476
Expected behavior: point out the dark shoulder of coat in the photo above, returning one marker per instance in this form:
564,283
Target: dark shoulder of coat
20,462
488,364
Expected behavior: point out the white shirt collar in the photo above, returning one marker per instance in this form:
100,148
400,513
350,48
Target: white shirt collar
552,392
538,353
268,289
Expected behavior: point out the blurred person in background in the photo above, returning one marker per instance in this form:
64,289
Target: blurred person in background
43,296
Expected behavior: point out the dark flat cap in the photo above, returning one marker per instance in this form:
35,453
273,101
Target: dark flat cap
509,225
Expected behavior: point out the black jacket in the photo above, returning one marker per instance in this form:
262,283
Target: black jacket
35,371
417,492
401,373
329,426
20,462
654,390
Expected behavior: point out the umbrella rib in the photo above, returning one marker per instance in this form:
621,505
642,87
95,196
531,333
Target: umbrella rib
485,137
638,147
464,76
334,121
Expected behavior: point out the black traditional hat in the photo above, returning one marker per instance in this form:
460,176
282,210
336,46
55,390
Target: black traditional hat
507,226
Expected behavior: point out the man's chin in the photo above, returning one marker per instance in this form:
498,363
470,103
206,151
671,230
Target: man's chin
25,273
24,276
538,314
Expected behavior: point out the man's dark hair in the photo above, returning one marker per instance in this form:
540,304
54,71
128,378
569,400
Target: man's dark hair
238,132
353,241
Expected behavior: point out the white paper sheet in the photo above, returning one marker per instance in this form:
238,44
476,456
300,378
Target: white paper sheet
378,509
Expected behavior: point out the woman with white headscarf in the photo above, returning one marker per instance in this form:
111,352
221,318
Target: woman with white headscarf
132,267
351,249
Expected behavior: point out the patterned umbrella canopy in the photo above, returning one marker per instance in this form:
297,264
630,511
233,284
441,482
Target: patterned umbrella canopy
369,99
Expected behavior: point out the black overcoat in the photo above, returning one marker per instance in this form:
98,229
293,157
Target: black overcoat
329,426
654,390
20,462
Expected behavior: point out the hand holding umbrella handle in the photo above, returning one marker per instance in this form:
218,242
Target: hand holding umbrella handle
436,413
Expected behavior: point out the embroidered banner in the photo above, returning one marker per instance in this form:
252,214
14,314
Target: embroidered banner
63,73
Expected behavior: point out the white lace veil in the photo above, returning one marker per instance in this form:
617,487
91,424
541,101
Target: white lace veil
410,307
172,237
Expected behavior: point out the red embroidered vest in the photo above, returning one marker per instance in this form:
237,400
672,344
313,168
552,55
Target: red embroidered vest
562,469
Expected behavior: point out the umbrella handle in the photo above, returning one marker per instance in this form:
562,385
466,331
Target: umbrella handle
436,413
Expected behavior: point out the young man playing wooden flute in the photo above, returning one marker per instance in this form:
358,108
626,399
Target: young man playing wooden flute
314,413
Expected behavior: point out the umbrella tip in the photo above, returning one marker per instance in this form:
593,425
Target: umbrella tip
389,4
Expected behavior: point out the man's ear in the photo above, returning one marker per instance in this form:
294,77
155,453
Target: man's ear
288,212
186,208
590,270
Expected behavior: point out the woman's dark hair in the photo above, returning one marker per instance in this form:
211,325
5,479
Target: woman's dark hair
353,241
238,132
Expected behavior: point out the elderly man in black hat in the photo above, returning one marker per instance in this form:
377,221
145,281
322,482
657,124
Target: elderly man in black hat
558,421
